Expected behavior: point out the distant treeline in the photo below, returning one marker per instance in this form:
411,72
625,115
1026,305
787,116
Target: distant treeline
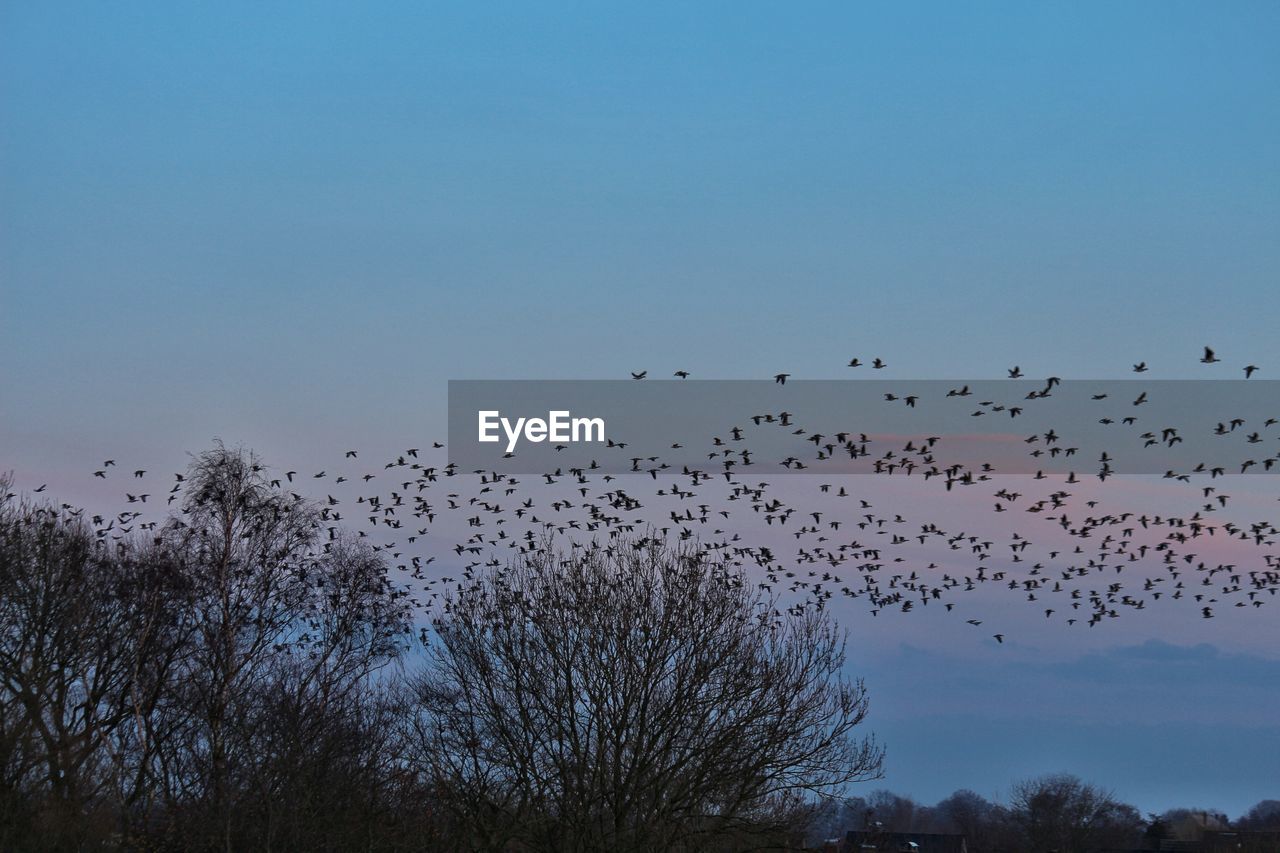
1054,812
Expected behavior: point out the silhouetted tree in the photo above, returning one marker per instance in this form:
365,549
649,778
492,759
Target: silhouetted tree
86,632
973,816
897,813
278,720
1263,816
1061,813
1157,830
633,696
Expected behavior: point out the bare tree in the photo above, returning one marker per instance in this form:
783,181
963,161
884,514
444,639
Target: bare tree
896,813
83,627
634,696
246,549
325,744
1263,816
218,685
983,823
278,690
1061,813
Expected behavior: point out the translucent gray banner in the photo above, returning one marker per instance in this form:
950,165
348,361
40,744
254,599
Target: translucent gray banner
954,429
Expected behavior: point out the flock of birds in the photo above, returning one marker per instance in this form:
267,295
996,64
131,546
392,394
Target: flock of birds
813,539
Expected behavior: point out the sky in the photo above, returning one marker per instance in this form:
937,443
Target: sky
290,225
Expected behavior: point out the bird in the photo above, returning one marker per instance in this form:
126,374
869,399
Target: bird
641,375
781,378
683,374
1249,370
1209,357
1015,372
1140,367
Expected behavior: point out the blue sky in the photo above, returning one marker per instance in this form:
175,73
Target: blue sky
290,225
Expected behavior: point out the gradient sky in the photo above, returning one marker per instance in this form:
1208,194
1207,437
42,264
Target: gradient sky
289,225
